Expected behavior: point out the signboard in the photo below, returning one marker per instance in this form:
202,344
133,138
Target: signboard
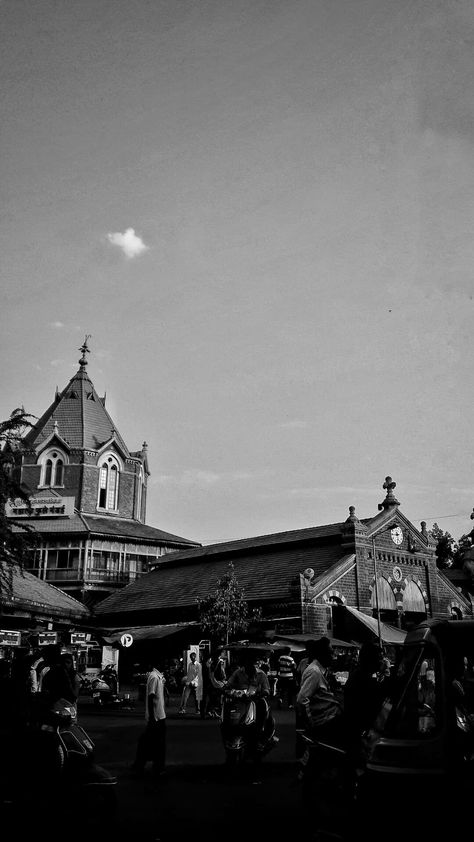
47,638
41,507
10,638
126,640
78,638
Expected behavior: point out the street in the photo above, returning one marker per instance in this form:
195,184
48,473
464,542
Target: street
198,799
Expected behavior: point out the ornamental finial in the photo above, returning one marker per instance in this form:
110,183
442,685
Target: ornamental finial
84,350
390,499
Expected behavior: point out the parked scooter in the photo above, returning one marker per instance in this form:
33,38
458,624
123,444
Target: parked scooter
52,757
242,737
105,689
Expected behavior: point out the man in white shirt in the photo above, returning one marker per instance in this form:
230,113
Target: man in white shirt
152,743
193,683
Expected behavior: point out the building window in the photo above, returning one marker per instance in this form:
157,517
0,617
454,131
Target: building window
109,484
138,513
52,468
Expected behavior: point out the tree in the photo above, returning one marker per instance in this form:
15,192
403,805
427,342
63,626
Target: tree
444,547
14,545
225,614
460,548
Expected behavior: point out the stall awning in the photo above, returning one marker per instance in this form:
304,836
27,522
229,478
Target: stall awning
137,633
389,634
297,642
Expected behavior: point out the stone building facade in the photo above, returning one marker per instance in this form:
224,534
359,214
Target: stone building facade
302,579
88,495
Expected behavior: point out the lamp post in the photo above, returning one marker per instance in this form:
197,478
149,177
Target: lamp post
376,591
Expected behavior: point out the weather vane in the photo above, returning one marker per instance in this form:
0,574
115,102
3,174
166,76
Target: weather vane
84,349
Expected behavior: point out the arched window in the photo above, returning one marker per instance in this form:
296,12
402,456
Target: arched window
48,472
52,468
109,474
138,512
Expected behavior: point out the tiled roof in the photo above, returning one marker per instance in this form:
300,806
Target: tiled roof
59,525
111,527
244,545
82,420
30,592
132,529
263,576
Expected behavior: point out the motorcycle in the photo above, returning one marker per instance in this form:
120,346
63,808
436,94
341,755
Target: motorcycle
50,758
104,689
242,736
329,775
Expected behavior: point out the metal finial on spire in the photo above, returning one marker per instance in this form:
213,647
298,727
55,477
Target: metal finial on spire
84,350
390,499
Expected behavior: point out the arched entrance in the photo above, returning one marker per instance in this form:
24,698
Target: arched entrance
386,602
414,606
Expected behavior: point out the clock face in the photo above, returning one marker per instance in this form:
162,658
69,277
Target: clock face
396,535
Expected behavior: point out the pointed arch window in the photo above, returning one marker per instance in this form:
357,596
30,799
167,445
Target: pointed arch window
109,476
141,479
52,468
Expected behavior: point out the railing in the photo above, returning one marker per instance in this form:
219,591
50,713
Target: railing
68,575
65,575
110,576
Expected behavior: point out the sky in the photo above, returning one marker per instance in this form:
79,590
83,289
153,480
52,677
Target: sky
262,211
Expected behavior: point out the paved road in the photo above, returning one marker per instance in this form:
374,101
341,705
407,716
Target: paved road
198,800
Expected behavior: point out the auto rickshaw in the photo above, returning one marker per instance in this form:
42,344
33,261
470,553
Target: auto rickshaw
418,757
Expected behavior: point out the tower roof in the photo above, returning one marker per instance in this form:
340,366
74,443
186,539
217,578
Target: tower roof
77,416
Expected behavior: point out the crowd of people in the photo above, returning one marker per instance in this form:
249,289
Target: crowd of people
322,708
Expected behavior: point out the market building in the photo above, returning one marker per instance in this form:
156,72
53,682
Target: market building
88,495
319,580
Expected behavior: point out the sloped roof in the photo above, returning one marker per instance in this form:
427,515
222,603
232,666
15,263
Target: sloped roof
78,416
131,529
112,527
29,592
244,545
264,575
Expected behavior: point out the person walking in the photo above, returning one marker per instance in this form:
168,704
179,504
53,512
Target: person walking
317,707
364,692
286,678
61,681
193,683
218,676
152,742
206,700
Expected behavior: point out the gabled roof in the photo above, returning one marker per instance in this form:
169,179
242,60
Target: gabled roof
78,416
28,592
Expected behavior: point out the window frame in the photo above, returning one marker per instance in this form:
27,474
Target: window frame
53,462
108,490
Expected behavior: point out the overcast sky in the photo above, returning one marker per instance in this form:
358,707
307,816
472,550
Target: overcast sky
263,212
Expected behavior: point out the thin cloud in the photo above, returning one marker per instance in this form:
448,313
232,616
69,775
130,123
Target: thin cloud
202,478
58,325
293,425
130,243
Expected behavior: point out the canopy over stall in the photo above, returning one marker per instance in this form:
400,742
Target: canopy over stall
126,637
360,627
297,642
